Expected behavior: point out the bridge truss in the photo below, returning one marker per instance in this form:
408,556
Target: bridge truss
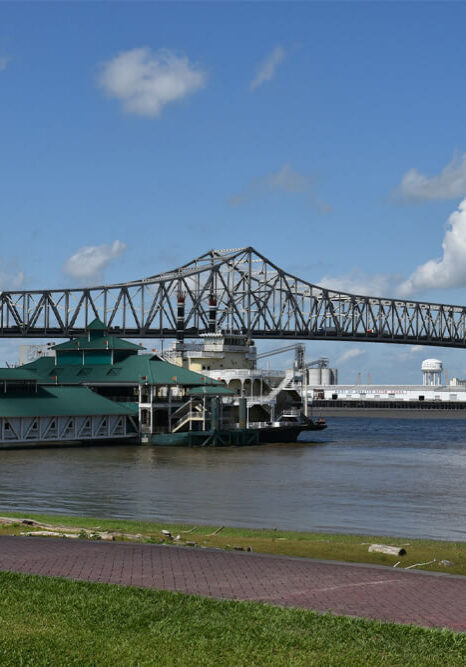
235,291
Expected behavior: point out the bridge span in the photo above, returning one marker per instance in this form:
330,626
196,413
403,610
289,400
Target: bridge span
236,291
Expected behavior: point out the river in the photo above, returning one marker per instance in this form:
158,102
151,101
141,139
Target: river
369,476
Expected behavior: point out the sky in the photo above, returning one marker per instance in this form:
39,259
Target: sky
328,135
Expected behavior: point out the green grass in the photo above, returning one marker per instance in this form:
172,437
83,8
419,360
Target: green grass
350,548
49,621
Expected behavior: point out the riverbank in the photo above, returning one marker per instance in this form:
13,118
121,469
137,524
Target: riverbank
432,555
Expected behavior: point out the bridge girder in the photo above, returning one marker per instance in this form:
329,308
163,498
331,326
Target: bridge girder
236,291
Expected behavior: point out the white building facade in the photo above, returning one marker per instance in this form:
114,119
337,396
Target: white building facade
370,392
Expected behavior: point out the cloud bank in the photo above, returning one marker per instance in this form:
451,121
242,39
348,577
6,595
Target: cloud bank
449,184
267,68
145,81
4,61
285,180
89,262
448,270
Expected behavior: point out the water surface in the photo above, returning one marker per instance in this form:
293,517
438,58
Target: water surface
373,476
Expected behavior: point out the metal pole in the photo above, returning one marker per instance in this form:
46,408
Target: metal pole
242,413
305,392
169,409
203,409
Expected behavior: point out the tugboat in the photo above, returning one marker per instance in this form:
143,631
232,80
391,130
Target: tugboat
288,427
259,395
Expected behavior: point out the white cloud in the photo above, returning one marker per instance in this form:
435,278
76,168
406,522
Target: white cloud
4,60
90,261
266,70
285,180
449,184
350,354
145,81
450,269
358,282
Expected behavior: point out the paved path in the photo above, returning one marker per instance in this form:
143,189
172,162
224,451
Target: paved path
357,590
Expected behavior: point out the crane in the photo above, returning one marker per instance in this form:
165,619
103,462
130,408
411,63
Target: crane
299,362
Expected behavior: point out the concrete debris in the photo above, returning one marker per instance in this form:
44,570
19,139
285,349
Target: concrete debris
385,549
50,533
429,562
51,530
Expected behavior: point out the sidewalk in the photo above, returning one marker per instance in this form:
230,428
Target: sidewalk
381,593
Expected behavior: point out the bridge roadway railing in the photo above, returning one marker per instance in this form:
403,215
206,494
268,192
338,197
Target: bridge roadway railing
236,291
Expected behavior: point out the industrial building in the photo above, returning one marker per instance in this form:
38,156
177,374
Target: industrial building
434,392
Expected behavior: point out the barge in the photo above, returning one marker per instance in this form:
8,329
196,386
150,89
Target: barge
259,434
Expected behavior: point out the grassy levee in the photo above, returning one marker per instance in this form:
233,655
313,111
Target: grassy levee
50,621
349,548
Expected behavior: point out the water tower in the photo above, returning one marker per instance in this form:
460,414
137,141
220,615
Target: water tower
432,372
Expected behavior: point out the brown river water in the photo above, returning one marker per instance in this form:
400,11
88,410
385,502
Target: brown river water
369,476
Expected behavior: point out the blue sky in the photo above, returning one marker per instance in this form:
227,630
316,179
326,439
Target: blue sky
330,136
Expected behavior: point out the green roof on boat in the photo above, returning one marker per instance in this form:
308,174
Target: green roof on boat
53,401
19,373
96,325
105,343
135,369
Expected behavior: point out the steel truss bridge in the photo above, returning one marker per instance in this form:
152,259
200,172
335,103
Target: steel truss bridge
236,291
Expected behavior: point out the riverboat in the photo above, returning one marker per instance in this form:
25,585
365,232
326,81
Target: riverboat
99,388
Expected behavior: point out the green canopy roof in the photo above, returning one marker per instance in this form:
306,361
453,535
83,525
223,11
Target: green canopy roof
96,325
19,373
105,343
54,401
135,369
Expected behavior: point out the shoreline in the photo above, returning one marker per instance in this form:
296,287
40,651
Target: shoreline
351,548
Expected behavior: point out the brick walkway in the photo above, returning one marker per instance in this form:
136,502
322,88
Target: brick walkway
355,590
